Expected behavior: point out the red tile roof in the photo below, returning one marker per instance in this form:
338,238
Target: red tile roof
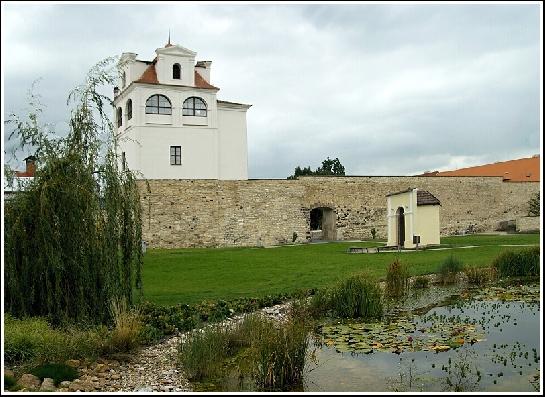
519,170
150,77
200,82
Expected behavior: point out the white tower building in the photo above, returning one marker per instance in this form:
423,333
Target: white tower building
171,125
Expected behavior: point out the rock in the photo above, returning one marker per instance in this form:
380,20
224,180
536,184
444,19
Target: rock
48,385
79,385
100,367
143,389
65,384
102,374
115,376
121,357
29,381
73,363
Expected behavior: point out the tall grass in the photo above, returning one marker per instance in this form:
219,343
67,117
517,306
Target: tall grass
279,357
34,341
355,297
202,353
125,335
397,279
518,264
449,269
479,275
271,354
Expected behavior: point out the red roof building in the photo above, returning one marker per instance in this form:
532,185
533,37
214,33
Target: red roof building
519,170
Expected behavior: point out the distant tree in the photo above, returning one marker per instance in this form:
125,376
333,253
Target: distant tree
533,205
329,167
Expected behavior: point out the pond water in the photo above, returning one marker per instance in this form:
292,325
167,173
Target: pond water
482,340
437,339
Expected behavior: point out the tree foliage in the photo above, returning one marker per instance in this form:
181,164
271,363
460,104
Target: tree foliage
73,235
329,167
533,205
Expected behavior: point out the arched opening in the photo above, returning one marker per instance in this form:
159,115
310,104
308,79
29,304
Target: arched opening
128,112
400,216
323,224
119,117
176,71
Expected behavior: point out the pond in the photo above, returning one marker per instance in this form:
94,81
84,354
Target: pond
477,340
438,339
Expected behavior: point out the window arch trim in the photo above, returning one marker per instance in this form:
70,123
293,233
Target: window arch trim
158,104
195,106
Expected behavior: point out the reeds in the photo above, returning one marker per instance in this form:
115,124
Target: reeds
397,279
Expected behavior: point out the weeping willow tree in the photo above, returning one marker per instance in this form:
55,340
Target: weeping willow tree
73,235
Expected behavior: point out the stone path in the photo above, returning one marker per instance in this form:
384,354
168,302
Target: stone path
153,368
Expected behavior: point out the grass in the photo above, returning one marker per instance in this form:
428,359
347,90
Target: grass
192,275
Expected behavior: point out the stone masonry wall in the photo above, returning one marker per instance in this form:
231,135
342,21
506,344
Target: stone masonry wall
213,213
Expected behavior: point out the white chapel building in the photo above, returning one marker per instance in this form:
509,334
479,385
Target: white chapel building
170,123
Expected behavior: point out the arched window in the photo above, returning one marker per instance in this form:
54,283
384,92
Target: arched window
123,80
194,106
119,117
158,104
129,109
176,71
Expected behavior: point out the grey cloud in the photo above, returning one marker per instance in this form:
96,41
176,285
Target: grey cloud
389,89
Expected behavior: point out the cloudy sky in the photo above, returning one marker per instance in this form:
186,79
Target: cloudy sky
389,89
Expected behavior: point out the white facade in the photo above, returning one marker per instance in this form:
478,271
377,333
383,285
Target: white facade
208,138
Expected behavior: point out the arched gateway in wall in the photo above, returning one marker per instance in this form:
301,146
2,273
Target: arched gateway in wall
322,223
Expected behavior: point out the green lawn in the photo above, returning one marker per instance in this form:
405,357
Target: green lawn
191,275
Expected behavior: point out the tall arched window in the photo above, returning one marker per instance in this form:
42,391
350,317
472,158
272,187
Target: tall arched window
194,106
176,71
119,117
158,104
129,109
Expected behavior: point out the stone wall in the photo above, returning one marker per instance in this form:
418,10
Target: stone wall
528,224
212,213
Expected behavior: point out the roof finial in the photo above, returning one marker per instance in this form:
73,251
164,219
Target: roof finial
169,38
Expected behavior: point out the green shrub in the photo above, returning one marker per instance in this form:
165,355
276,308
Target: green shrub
421,282
477,276
166,320
9,382
449,269
518,264
397,279
57,372
355,297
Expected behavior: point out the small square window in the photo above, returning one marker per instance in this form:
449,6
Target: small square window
175,155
